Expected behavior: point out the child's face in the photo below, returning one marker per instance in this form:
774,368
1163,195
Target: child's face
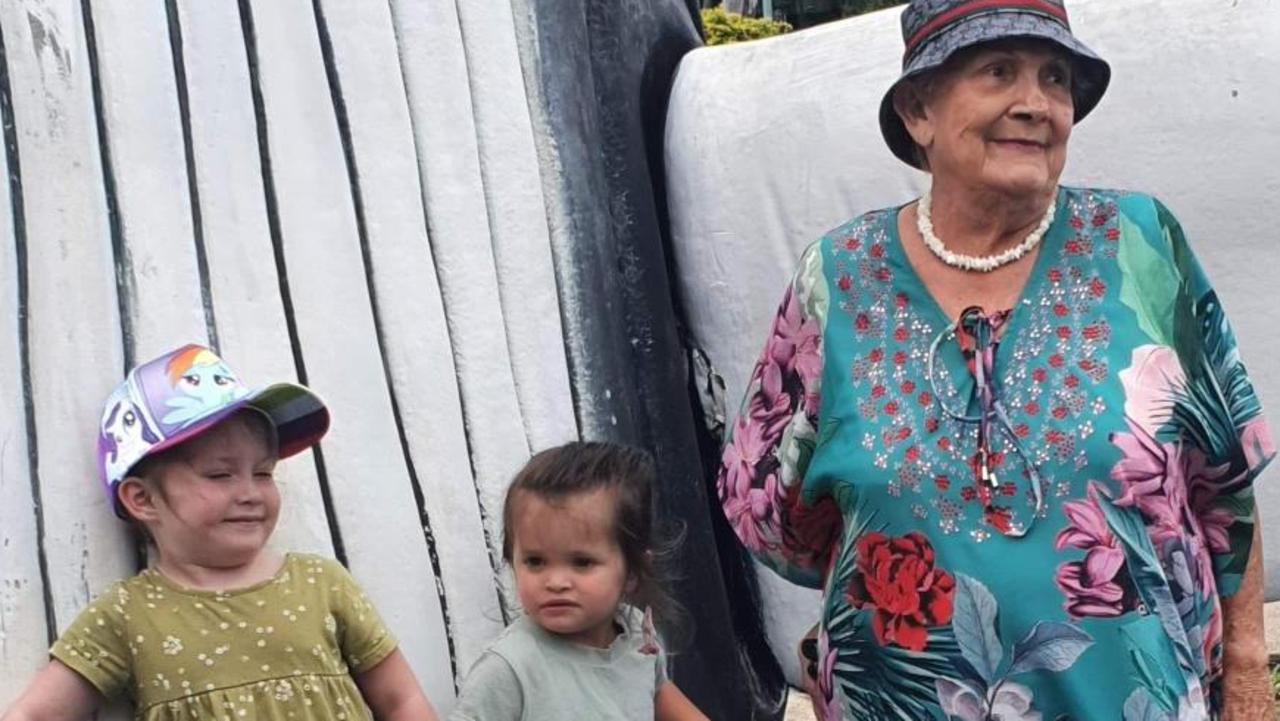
217,502
570,572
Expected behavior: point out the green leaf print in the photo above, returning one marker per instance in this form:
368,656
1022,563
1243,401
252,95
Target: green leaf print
1150,283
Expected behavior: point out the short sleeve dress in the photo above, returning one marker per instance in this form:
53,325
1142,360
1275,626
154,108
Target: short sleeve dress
281,649
1082,577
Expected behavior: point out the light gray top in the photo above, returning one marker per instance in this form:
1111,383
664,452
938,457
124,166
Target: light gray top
529,674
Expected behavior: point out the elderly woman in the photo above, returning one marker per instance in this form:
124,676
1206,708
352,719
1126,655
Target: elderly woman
1005,427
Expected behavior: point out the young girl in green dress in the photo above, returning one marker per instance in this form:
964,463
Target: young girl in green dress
221,627
577,532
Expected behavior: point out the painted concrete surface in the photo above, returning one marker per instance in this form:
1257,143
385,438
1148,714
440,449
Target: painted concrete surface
771,143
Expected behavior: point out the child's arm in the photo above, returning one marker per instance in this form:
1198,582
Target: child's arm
392,691
56,693
670,704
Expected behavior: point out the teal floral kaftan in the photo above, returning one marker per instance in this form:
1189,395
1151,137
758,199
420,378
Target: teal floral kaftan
1119,392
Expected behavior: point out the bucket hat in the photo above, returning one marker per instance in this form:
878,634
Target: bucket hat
185,392
933,30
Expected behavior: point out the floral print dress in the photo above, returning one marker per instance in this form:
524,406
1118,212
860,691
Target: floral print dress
285,648
1077,572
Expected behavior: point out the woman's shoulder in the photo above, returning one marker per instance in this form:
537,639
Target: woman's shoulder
1135,205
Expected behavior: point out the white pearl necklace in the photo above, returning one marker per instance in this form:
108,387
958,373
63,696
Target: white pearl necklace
979,263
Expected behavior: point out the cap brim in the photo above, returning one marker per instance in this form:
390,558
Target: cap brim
1090,79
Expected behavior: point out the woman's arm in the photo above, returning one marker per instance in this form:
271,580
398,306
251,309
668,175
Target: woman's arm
1246,679
670,704
56,694
392,692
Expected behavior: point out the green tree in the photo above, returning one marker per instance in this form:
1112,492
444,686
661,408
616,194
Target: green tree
720,27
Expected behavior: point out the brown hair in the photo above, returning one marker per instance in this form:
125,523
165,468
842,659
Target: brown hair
629,473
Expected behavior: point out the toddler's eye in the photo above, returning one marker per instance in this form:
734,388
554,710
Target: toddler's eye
584,562
533,562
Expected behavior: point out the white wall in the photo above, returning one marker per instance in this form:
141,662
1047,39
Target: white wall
771,143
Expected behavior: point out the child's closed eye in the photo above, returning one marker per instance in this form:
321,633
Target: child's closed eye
584,562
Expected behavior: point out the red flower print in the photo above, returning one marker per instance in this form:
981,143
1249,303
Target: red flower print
1064,332
908,387
913,454
1008,490
845,283
1071,381
1113,234
925,399
1055,360
898,581
901,334
1060,309
931,425
1076,222
1022,430
1073,247
900,301
1039,375
1054,438
1099,220
883,275
998,517
968,493
1097,288
942,483
877,392
1094,331
1032,408
944,443
900,358
862,323
891,408
1055,275
876,355
876,250
903,433
852,243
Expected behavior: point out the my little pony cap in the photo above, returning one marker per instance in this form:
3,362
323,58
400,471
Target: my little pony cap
183,393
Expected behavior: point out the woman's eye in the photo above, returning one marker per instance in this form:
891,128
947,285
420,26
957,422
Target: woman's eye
264,475
217,476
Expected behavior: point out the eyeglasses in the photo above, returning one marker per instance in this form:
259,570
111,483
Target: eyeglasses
977,334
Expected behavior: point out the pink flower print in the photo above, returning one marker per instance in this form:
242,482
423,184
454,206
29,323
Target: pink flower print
1150,382
1148,466
741,456
771,406
753,513
1097,585
1255,437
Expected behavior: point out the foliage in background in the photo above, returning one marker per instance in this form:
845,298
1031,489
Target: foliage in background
721,27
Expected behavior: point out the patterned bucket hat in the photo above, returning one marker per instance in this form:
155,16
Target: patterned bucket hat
933,30
185,392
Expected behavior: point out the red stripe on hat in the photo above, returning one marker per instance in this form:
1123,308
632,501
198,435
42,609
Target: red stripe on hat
976,6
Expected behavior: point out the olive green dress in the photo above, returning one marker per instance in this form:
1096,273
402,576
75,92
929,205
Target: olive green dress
281,649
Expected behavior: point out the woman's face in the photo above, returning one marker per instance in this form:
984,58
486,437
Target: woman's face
998,117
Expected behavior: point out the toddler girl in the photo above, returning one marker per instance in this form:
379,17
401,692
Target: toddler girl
578,533
220,627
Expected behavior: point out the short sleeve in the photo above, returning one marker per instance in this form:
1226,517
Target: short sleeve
761,480
362,636
97,645
1217,414
490,692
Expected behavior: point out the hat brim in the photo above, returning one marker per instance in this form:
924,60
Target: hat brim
1090,78
300,419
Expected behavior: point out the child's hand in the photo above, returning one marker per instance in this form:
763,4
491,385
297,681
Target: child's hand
392,691
55,694
670,704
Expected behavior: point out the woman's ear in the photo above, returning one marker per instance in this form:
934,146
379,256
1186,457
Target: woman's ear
909,103
138,498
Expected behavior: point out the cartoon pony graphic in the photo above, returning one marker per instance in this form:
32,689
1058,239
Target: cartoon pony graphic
201,383
125,431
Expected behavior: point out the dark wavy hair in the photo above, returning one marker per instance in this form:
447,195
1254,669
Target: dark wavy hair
556,474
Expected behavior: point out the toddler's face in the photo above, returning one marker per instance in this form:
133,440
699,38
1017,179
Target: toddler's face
218,502
570,572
